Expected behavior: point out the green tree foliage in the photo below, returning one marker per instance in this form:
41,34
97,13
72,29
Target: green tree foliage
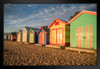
77,12
45,27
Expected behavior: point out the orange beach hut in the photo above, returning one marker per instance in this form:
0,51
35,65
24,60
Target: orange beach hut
13,36
59,33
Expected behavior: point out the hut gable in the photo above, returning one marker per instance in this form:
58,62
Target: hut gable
19,32
57,22
43,29
24,30
83,12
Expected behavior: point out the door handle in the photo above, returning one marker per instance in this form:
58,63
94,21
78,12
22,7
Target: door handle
84,37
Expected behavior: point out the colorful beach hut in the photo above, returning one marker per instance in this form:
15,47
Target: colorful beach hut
59,33
43,36
13,36
33,38
9,36
5,36
19,36
83,30
25,34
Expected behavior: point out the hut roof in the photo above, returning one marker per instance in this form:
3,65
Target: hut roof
20,31
84,11
35,29
13,33
46,30
65,22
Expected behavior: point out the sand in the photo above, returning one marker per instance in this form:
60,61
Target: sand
31,55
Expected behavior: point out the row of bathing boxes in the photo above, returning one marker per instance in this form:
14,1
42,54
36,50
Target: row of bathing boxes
79,32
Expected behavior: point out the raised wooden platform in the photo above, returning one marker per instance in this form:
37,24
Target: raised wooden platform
37,44
54,46
25,43
82,50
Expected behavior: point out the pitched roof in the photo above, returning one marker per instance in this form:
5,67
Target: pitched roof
46,30
84,11
35,29
13,33
20,31
65,22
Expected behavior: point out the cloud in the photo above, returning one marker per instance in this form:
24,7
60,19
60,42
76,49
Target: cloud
46,15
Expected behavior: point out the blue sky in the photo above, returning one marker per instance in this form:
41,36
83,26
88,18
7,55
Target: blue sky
16,16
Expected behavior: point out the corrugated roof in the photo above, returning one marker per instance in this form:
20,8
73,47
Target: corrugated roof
35,29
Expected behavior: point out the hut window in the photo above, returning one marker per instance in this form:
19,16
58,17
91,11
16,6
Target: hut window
57,23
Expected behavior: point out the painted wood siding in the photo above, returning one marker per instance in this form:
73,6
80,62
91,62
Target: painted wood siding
9,36
67,35
19,37
46,37
25,35
31,37
52,40
78,29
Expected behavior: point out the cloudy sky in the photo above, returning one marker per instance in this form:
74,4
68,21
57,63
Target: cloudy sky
16,16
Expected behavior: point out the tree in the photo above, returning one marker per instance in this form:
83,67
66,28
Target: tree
45,27
77,12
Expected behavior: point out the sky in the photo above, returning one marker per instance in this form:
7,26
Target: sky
16,16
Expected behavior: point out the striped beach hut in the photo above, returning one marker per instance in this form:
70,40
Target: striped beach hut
19,36
43,36
83,30
59,33
13,36
33,38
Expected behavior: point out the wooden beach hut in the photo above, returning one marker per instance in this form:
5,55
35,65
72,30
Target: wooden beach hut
59,33
9,36
5,36
13,36
25,34
43,36
33,38
83,30
19,36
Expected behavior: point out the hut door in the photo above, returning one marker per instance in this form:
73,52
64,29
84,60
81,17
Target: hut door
53,36
42,38
85,37
59,36
31,38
